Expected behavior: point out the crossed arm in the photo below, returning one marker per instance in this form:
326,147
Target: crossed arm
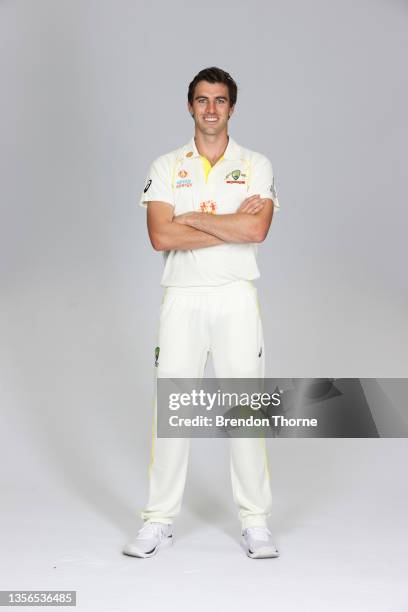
196,230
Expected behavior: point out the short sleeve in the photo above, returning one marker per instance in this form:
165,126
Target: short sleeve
262,181
158,185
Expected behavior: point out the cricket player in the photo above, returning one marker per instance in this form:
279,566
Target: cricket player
209,204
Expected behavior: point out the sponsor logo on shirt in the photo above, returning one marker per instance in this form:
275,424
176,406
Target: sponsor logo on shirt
209,206
183,183
149,182
183,173
235,177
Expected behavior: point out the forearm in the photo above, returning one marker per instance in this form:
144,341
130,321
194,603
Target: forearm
236,227
175,236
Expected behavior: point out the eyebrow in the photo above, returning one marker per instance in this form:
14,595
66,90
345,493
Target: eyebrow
206,97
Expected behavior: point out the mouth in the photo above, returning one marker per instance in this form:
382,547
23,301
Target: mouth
210,119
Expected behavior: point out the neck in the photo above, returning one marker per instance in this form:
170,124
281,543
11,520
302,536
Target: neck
211,147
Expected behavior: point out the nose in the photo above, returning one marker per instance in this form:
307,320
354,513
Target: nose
211,107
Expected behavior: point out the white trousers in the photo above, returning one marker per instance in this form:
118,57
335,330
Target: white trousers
224,321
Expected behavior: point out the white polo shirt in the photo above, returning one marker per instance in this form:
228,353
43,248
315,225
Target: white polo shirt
179,179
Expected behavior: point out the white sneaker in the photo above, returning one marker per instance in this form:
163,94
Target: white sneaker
150,538
258,543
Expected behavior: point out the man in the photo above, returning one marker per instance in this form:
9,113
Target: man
208,205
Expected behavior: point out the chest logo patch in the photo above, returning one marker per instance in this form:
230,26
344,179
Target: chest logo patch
183,181
209,206
235,177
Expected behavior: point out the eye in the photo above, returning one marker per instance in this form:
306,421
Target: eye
221,101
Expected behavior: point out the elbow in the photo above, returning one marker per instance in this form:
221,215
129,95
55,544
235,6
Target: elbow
158,243
259,234
259,237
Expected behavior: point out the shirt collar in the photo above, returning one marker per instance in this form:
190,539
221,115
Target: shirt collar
232,152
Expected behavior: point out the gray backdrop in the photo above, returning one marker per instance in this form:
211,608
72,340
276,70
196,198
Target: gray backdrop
91,92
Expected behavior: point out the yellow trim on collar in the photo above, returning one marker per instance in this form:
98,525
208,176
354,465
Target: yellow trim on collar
207,166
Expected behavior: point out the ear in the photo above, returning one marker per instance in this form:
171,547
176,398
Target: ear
190,109
231,110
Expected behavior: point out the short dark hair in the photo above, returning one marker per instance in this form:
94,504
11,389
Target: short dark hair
214,75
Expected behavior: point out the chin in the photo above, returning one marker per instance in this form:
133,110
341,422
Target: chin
211,131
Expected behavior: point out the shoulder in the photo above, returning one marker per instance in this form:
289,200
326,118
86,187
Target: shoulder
166,162
255,158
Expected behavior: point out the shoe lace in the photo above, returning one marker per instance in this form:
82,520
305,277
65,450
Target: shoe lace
259,533
149,530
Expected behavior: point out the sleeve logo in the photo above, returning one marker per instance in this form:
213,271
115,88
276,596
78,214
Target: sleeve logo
273,189
149,182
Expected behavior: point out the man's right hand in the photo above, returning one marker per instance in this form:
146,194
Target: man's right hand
252,205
